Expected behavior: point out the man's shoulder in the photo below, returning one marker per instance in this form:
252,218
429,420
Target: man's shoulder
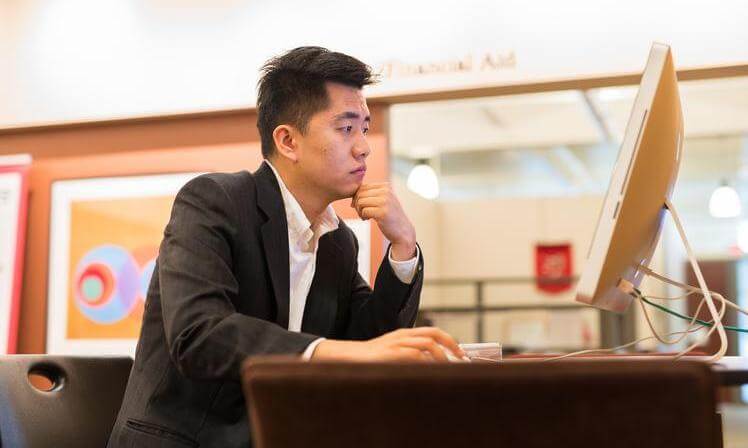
231,181
234,185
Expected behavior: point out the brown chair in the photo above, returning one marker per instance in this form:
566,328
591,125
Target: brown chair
78,411
639,404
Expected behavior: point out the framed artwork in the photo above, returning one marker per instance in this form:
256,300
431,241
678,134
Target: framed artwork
104,237
13,213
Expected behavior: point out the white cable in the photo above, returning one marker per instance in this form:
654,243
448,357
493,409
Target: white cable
687,287
707,298
606,350
654,331
705,338
694,290
680,297
707,294
716,295
647,338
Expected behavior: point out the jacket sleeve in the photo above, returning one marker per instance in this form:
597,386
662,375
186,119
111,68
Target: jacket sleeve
206,337
392,304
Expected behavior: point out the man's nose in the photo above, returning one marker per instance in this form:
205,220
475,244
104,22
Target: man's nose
361,148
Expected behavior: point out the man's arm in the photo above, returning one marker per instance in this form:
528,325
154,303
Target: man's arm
378,314
394,301
392,304
206,337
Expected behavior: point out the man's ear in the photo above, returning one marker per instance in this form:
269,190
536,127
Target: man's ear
286,142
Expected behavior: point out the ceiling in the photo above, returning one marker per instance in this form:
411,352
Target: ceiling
565,118
566,142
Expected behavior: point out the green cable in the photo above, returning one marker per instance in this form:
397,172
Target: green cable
689,318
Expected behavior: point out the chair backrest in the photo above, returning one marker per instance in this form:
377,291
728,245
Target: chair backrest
79,410
637,404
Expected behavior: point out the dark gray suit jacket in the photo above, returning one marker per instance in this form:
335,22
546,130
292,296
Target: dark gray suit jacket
220,293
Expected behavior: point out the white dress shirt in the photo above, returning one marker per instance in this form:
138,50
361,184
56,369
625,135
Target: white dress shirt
303,237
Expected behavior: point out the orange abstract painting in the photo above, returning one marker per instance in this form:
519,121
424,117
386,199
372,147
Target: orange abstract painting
104,238
113,247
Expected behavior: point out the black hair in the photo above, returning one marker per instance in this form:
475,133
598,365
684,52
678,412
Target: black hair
292,88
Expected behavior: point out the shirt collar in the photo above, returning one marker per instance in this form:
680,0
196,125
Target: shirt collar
298,223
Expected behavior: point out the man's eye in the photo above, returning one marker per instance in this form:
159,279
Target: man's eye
348,129
366,130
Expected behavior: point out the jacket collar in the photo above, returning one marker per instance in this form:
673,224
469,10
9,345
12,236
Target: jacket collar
299,226
274,238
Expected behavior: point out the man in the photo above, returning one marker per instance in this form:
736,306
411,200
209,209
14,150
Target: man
254,264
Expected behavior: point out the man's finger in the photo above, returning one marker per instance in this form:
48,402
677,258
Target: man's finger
370,186
376,192
370,213
364,194
371,202
371,191
358,205
441,337
411,354
427,345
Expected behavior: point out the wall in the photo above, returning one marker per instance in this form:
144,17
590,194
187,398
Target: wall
427,219
81,60
495,238
220,142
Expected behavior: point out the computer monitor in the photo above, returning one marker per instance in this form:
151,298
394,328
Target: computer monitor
643,177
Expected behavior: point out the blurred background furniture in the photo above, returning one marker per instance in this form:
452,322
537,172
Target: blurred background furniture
77,407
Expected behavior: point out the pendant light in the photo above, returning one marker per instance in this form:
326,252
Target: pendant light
422,180
724,202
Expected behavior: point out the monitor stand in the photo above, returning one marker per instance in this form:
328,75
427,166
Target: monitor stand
703,289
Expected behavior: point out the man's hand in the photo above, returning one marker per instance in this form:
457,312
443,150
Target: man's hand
407,344
378,202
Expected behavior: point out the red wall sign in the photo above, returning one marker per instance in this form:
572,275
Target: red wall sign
553,267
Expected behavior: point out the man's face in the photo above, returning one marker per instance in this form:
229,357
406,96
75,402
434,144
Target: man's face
333,151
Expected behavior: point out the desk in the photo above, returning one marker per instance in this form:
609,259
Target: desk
730,370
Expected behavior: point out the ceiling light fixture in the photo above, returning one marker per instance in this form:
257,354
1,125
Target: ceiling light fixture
422,180
724,202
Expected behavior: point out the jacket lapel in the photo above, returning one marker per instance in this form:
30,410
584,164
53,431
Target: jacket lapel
322,301
274,238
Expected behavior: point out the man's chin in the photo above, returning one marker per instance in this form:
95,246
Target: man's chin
346,196
350,191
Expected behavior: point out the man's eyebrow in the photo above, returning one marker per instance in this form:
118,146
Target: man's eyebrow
351,116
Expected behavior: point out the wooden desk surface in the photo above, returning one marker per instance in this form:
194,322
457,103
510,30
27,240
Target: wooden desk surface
731,370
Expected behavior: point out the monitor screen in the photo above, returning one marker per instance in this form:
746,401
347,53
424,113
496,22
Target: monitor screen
643,177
